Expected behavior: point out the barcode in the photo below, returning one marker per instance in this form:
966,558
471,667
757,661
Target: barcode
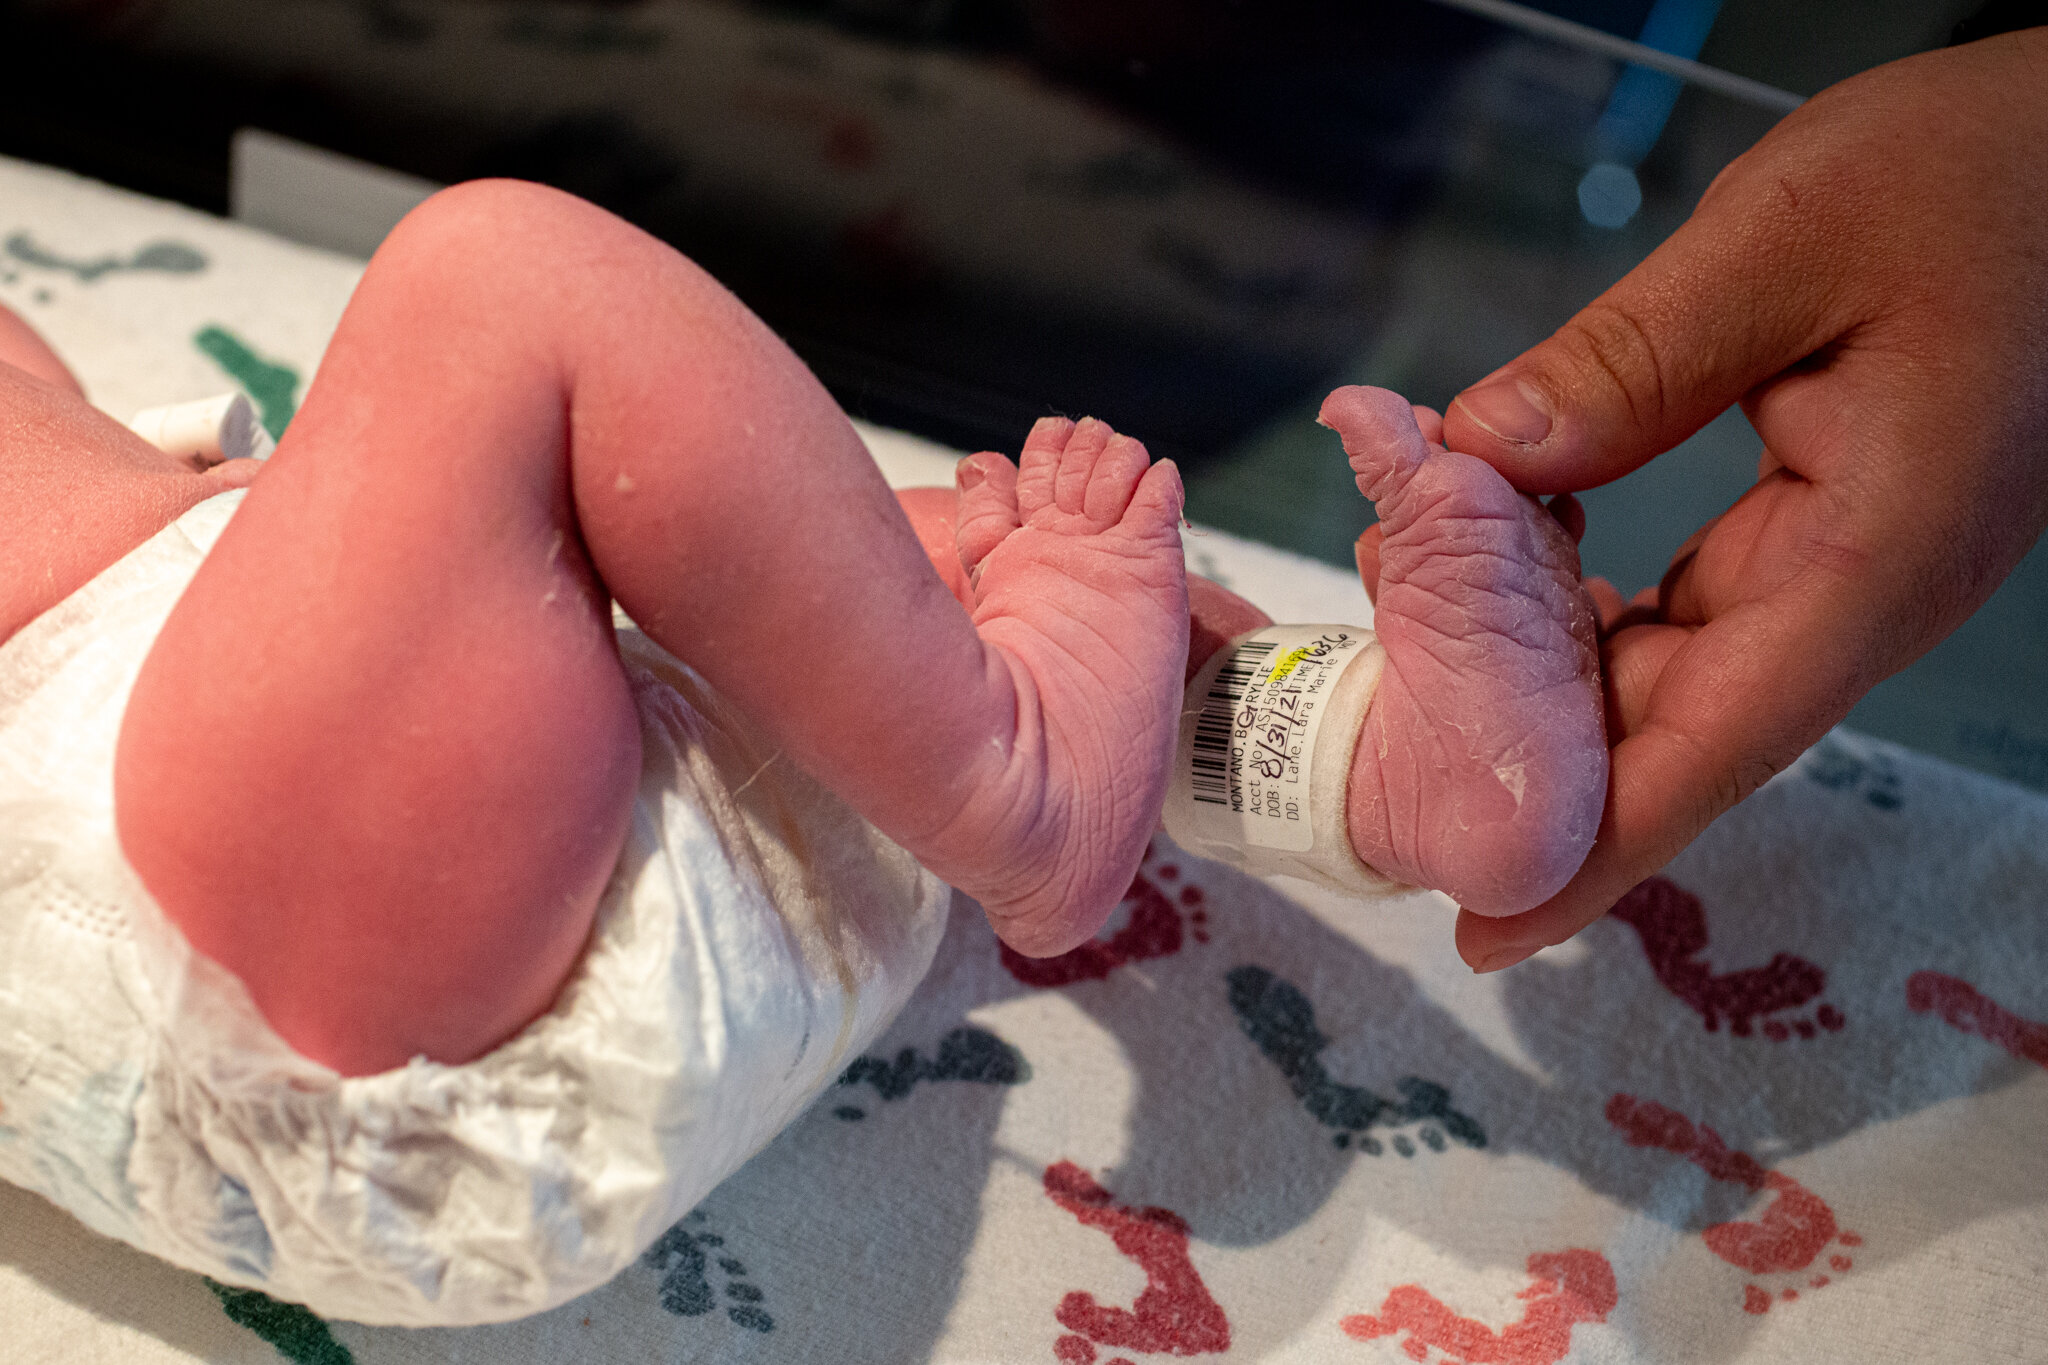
1211,775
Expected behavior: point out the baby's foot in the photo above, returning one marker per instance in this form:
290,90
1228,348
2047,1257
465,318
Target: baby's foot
1483,763
1075,566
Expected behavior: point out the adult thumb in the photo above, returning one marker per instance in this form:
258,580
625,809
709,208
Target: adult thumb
1750,285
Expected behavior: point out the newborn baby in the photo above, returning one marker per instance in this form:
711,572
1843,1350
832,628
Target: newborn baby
383,756
393,693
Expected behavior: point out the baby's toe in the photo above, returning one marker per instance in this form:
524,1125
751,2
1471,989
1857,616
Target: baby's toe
1112,482
1430,423
1081,486
1380,437
1038,467
987,513
1149,505
1077,464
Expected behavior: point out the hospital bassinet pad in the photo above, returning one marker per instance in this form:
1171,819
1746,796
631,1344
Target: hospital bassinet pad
755,937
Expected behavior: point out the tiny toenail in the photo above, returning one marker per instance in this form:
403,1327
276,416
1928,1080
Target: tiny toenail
967,476
1510,409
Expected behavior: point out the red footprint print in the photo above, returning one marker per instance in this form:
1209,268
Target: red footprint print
1174,1313
1152,930
1795,1228
1963,1006
1673,926
1570,1287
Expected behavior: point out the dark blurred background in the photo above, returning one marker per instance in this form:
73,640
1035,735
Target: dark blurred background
1189,217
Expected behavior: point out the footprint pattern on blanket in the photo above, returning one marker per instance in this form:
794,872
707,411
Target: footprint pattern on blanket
1281,1022
1672,924
273,387
1785,1244
1875,778
1152,928
165,257
686,1255
1566,1289
966,1054
1963,1006
1174,1314
296,1333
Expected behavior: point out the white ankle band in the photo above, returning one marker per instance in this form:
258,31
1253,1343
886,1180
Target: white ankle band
1267,732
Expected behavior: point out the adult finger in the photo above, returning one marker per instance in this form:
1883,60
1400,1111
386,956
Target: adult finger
1752,283
1608,602
1692,742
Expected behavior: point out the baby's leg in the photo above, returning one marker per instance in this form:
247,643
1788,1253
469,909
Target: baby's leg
23,348
1483,764
380,762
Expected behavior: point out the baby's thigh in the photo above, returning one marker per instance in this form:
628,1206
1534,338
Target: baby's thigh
380,761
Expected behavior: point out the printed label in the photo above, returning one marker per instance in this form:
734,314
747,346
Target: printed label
1255,739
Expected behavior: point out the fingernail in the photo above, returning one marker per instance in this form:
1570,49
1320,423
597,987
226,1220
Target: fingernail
1510,409
1503,958
967,475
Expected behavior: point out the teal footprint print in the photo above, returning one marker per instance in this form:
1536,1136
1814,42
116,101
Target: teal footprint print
686,1255
1281,1023
966,1054
274,388
298,1333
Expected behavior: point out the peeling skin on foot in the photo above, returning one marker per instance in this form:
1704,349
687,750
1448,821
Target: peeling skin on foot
1487,762
1481,765
1514,777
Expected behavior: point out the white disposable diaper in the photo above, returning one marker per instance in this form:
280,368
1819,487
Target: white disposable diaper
755,937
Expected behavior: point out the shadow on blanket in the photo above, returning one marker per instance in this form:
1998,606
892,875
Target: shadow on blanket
1269,1056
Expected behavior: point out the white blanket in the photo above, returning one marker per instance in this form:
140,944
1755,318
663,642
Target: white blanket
1784,1105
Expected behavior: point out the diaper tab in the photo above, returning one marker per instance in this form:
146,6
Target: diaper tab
206,432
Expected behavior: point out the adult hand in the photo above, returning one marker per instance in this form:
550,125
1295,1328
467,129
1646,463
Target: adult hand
1870,282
